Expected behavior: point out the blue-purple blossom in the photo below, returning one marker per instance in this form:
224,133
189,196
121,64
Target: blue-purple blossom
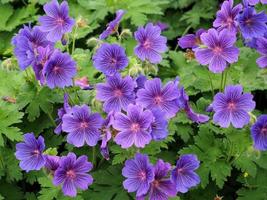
61,112
51,163
43,55
110,59
30,152
251,23
117,93
219,50
56,22
259,133
150,43
226,17
72,174
162,187
106,135
183,102
113,25
82,126
232,106
162,26
159,126
134,128
139,173
59,70
83,83
155,95
140,82
254,2
191,40
262,49
26,43
184,175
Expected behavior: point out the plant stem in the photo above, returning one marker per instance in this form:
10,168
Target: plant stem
225,78
222,79
93,156
74,39
71,100
211,84
51,119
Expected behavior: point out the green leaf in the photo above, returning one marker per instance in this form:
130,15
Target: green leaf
9,115
219,172
10,165
6,11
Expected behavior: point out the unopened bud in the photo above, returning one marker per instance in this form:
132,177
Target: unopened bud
81,22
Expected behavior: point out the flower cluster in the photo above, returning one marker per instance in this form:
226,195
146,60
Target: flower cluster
216,46
68,171
135,110
36,47
160,180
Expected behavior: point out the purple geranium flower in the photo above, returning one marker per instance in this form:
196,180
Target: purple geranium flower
226,17
26,43
183,102
159,126
259,133
191,40
106,135
30,152
72,174
254,2
162,187
57,21
51,163
134,128
139,174
61,112
162,26
220,50
232,107
113,25
43,54
83,83
117,93
82,126
150,43
262,49
59,70
184,175
251,23
154,95
110,58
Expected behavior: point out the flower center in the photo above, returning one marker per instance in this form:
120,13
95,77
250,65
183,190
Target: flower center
264,130
84,125
60,21
158,100
180,170
155,183
217,50
56,69
71,174
118,93
113,61
142,175
231,106
229,21
135,127
147,44
248,22
36,152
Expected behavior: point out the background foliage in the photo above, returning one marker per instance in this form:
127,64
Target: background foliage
230,166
